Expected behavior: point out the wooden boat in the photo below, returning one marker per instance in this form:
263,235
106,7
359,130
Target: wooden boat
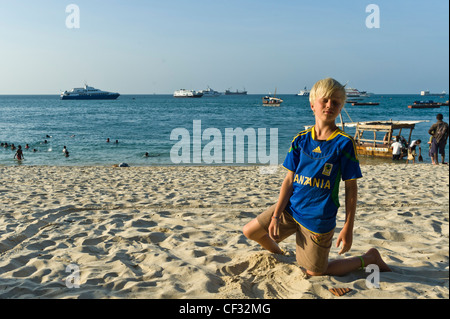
272,100
380,146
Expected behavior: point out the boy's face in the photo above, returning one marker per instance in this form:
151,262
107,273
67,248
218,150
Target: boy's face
327,109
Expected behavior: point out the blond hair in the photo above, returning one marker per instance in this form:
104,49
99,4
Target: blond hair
326,88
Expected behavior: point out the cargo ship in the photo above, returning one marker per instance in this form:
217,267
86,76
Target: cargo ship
237,92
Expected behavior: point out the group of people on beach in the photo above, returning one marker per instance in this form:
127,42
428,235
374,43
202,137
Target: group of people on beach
439,133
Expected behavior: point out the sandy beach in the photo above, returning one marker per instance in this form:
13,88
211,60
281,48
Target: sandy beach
176,232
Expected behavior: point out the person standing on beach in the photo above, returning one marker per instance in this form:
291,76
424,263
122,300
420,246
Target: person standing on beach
439,132
308,201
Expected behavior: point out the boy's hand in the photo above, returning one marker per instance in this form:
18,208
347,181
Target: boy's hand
346,237
274,229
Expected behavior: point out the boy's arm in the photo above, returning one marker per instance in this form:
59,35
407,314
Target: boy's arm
285,194
283,198
346,234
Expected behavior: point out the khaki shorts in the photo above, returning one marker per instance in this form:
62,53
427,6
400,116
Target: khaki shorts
312,249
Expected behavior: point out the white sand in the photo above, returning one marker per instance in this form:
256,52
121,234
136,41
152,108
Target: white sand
175,232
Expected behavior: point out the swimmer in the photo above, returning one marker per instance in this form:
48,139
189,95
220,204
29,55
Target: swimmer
19,154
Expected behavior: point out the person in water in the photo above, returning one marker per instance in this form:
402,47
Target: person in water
19,153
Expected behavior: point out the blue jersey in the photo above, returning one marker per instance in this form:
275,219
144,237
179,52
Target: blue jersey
318,167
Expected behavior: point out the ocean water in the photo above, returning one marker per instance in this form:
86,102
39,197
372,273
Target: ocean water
145,123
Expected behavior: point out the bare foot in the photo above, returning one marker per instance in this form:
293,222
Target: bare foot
372,256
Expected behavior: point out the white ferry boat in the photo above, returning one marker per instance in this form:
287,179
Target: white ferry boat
88,93
303,92
187,93
210,92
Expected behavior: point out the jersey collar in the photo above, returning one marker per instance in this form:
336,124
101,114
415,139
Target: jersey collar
333,135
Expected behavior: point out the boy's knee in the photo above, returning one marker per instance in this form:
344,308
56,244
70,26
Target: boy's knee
247,231
312,273
251,230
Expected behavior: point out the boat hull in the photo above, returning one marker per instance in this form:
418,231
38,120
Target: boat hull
187,96
424,106
235,93
91,97
375,151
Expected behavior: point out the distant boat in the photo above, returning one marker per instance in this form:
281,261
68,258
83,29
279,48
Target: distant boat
352,92
272,100
187,93
427,93
210,92
303,92
88,93
426,105
228,92
365,103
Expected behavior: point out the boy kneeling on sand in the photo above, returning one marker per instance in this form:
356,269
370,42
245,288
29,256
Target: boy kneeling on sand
308,202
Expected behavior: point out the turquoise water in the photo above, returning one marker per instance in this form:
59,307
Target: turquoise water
144,123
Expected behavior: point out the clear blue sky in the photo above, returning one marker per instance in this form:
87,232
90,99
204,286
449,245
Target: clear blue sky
159,46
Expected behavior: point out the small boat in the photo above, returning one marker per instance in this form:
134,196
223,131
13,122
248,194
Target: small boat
272,100
365,103
88,93
303,92
426,105
353,100
187,93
